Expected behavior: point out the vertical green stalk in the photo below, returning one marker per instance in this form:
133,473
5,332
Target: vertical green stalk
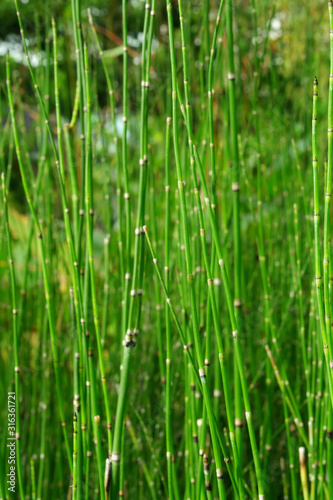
96,421
43,407
210,102
77,28
328,194
33,479
127,195
303,473
158,307
236,213
301,316
290,453
172,477
329,459
74,487
73,181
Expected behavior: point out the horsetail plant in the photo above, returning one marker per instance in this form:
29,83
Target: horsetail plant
155,120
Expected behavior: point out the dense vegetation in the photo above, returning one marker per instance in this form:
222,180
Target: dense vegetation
166,270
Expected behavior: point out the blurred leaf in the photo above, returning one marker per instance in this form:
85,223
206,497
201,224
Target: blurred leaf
109,54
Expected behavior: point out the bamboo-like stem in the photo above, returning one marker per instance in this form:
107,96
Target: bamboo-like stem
106,287
234,160
74,487
43,415
303,473
329,435
302,188
306,365
329,439
87,430
127,196
169,435
161,361
328,194
96,426
208,485
81,90
74,183
290,453
33,479
77,434
300,301
210,102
